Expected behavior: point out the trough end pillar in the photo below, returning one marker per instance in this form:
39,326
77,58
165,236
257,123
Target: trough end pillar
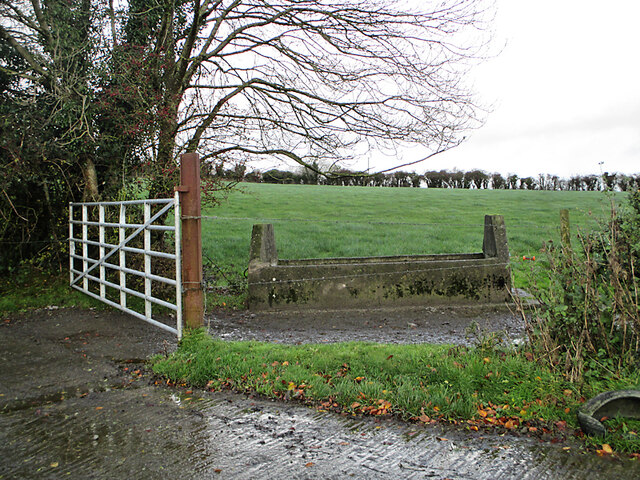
495,238
263,245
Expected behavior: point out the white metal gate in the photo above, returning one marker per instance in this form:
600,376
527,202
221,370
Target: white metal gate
91,271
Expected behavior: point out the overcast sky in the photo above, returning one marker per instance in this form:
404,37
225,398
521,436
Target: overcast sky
565,92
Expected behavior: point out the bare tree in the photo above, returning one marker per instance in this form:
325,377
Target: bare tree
306,79
313,81
309,80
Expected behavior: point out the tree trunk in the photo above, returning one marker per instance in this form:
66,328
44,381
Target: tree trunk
165,178
91,193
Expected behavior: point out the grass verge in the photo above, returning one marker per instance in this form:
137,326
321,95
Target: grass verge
473,387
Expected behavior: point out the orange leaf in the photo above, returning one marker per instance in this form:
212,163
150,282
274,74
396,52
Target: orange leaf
486,360
285,363
355,405
424,417
474,428
607,449
442,439
482,413
310,464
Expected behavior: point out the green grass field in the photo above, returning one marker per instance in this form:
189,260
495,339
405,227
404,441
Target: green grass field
329,221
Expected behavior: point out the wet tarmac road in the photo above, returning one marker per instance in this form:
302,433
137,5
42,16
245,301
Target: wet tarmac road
73,405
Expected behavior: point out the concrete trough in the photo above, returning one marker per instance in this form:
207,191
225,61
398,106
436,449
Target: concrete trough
367,282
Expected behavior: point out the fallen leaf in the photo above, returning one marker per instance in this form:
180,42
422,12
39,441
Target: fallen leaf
54,464
285,363
606,450
309,464
442,439
486,360
561,424
99,408
424,417
217,470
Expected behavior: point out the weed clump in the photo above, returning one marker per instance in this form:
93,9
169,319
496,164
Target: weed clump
589,322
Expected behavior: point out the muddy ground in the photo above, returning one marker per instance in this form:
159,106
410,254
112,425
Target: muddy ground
75,402
384,325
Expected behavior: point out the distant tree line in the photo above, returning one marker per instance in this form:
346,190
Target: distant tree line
474,179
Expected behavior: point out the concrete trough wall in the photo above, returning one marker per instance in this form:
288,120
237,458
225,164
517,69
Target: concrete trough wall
412,280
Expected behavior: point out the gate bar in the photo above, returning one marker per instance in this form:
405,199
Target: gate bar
107,250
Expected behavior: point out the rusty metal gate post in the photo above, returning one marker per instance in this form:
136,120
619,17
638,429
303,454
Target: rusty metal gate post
193,297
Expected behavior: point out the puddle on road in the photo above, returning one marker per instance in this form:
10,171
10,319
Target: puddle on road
152,432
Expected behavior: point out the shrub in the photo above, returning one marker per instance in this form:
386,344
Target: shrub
589,319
